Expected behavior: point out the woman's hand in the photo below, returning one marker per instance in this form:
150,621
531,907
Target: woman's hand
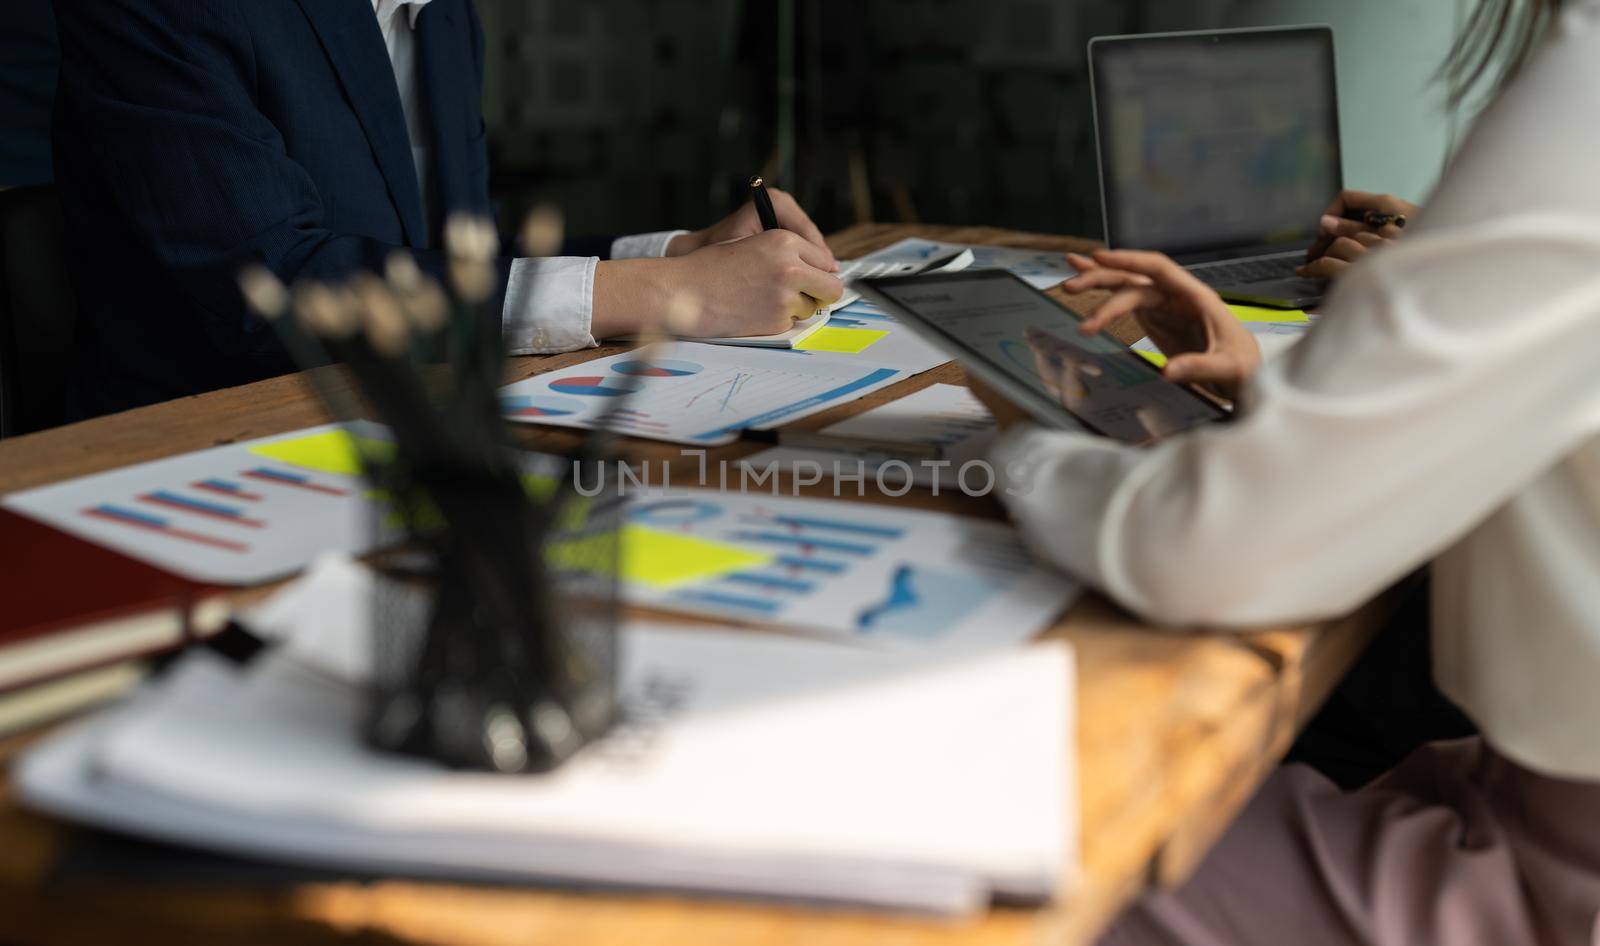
1343,241
745,222
1186,319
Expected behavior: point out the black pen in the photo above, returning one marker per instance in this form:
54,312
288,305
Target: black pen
758,193
1376,220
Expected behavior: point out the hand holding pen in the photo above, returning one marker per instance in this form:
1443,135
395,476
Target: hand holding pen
782,213
1353,225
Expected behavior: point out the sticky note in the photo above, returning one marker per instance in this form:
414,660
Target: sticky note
1252,313
849,341
332,451
655,558
1154,357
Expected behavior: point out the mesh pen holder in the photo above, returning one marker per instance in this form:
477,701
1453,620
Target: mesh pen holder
495,616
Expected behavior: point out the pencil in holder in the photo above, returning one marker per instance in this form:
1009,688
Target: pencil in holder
497,618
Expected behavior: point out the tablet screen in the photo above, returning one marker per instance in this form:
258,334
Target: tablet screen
1000,325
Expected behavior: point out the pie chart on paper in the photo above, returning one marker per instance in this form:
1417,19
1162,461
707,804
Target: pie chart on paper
592,386
540,406
657,369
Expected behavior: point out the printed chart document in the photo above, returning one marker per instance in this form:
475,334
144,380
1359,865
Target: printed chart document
875,574
885,263
693,393
1038,268
241,514
864,332
892,472
942,420
745,764
923,439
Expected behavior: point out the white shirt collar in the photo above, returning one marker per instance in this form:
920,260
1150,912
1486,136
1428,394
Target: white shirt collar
381,6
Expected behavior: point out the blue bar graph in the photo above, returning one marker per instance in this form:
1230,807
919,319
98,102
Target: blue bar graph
773,582
826,545
806,522
812,564
761,606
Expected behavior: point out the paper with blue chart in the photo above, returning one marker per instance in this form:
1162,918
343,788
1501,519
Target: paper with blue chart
239,514
872,573
234,515
699,394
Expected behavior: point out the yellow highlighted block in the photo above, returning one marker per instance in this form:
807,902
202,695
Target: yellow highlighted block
1154,357
655,558
1255,313
332,451
849,341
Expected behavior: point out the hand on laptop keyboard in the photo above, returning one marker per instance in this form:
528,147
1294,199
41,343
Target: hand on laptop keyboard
1247,271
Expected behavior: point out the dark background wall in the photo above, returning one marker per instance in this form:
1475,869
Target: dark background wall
642,114
636,115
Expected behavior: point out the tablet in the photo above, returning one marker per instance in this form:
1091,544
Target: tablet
1027,345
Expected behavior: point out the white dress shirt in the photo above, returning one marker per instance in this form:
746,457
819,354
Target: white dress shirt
549,303
1446,407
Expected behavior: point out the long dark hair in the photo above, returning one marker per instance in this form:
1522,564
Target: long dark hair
1497,40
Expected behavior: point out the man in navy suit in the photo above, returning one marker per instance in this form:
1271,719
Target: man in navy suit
318,137
27,83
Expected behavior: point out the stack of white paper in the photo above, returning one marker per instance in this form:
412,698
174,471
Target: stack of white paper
747,764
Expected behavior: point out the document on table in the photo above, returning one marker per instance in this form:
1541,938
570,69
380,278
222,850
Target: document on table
816,463
240,514
694,393
923,439
879,575
1039,268
864,332
876,265
936,420
745,764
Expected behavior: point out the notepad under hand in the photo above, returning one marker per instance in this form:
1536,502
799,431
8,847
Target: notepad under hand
849,272
802,330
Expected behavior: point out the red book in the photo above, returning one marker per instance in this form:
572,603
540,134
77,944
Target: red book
68,605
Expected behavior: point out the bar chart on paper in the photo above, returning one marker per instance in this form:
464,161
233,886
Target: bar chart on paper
878,575
238,514
693,393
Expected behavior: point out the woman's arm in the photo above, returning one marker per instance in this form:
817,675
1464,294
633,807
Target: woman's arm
1435,389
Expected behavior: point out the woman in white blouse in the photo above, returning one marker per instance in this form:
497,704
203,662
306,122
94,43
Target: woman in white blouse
1445,408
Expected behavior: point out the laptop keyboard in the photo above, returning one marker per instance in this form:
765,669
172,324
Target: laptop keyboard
1247,271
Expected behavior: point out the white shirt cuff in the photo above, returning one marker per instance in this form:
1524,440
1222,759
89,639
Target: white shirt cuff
644,245
549,305
1056,485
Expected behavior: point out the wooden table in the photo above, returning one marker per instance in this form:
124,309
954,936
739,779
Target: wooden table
1175,732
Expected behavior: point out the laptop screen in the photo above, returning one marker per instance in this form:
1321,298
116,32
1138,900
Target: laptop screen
1212,143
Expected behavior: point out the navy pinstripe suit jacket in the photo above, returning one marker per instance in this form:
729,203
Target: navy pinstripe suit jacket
193,137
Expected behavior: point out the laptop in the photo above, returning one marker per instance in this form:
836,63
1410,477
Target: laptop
1220,149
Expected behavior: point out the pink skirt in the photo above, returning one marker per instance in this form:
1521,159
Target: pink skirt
1457,846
